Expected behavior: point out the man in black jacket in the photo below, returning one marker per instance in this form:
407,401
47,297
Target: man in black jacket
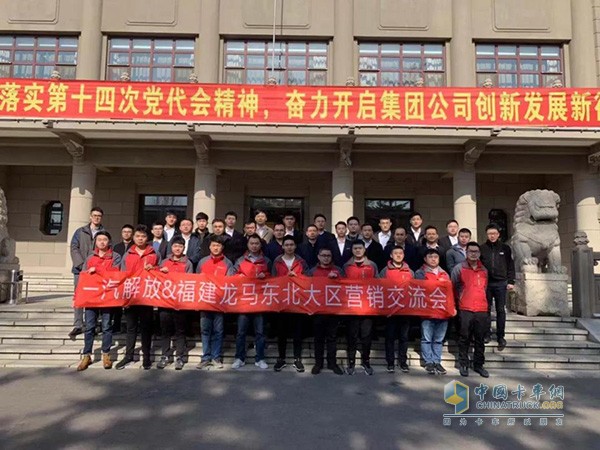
497,259
126,240
374,248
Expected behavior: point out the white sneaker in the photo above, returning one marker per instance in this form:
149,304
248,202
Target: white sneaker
238,363
262,364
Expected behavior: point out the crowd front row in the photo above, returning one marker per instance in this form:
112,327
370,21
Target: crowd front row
468,275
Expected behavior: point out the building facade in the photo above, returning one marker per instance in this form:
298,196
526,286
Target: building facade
135,171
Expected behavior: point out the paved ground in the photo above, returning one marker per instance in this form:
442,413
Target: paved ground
57,408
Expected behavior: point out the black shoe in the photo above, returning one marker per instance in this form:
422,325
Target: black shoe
440,369
147,364
336,369
75,331
404,367
481,371
487,340
391,368
464,371
316,370
279,365
501,344
350,369
430,368
366,365
125,362
298,366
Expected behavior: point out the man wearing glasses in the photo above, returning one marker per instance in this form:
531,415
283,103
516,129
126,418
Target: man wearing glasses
470,280
82,246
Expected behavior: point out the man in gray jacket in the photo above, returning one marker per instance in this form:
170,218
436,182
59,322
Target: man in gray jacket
82,246
458,253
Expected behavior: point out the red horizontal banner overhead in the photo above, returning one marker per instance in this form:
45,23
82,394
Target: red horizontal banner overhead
237,294
326,105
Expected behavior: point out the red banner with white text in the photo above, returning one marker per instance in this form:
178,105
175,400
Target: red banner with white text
237,294
301,105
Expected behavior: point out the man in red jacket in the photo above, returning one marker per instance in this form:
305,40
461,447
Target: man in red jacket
433,331
255,266
139,257
289,264
397,327
470,280
360,268
211,323
102,260
326,325
172,322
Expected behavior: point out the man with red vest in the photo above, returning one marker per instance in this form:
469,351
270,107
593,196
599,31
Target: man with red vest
289,265
433,331
172,322
140,256
102,260
397,327
211,323
360,268
326,325
255,266
470,280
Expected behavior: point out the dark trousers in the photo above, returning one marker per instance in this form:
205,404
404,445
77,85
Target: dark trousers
117,319
359,327
326,327
473,325
139,318
396,328
496,292
289,325
172,324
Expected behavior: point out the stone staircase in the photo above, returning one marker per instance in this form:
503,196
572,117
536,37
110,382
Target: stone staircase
44,282
35,335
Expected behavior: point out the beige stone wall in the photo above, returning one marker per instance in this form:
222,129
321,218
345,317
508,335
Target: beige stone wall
28,189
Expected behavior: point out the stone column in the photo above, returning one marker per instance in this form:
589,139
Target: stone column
342,195
89,56
83,186
342,62
462,49
586,195
208,43
582,46
205,179
465,200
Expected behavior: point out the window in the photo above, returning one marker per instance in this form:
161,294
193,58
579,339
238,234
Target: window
398,210
401,64
38,56
295,63
277,207
512,66
155,207
158,60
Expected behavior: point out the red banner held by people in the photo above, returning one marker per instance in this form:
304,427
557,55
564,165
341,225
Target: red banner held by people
299,105
237,294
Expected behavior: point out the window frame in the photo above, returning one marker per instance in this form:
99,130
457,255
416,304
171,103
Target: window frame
12,64
400,217
401,56
282,73
152,52
539,58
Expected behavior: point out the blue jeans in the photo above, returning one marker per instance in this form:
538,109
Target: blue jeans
259,336
211,324
91,316
433,332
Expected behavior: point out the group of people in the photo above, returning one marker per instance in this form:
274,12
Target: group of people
481,276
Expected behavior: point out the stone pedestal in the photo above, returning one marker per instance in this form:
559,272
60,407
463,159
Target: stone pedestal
541,294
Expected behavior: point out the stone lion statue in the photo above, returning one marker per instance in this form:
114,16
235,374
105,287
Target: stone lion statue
535,241
7,245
